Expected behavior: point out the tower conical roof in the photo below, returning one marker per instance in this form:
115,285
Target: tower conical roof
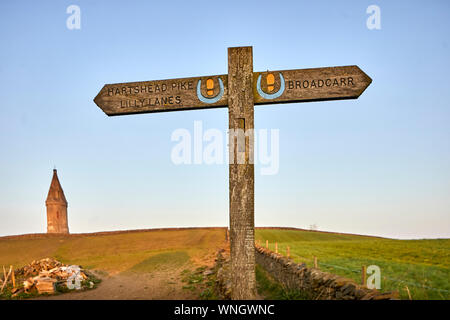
56,193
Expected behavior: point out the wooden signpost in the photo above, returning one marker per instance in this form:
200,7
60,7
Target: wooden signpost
240,90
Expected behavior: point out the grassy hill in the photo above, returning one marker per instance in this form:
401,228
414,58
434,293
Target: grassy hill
420,265
116,252
137,264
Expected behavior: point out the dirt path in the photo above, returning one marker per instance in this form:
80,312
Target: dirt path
158,285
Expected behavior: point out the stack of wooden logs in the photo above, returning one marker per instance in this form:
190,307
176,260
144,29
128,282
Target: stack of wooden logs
41,276
36,267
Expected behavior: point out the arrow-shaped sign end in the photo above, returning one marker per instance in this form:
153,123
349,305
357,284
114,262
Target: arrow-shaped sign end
98,102
366,80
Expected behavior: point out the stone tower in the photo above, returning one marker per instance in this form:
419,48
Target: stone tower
56,207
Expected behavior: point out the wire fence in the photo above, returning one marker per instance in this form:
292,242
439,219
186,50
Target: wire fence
414,284
406,282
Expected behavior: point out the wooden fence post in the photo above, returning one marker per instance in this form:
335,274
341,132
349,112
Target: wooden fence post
267,244
315,263
363,275
13,277
288,253
276,247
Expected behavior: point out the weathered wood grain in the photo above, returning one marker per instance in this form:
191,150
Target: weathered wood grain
301,85
160,95
241,174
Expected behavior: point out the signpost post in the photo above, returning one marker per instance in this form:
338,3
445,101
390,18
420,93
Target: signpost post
240,89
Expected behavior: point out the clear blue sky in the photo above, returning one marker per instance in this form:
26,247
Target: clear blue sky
377,165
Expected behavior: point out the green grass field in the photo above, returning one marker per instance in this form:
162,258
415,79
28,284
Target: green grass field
420,265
